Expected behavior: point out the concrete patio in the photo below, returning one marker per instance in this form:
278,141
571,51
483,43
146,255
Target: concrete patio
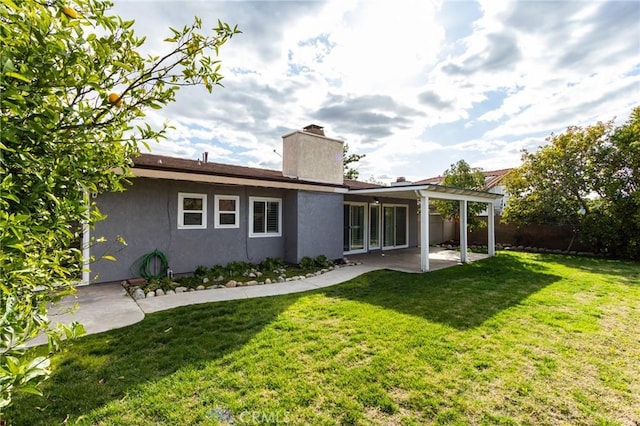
408,260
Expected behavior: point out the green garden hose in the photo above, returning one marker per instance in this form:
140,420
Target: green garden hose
150,259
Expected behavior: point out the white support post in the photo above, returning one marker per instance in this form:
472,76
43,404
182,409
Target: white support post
491,229
86,243
463,231
424,234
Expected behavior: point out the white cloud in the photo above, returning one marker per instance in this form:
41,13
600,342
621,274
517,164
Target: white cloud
381,74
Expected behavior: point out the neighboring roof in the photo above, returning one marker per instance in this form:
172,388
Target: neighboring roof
492,178
197,167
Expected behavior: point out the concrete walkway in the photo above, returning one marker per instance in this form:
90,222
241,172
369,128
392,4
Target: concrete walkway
104,307
337,276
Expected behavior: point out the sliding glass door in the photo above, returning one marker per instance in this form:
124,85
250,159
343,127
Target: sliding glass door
395,226
355,227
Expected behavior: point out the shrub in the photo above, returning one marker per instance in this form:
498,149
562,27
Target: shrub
307,263
323,262
271,264
200,271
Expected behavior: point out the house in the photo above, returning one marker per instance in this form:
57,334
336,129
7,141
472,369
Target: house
203,213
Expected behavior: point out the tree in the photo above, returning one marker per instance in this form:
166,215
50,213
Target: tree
588,178
461,175
348,159
75,89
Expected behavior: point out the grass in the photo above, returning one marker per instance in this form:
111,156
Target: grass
516,339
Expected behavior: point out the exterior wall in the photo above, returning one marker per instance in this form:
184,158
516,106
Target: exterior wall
312,157
320,222
414,233
146,217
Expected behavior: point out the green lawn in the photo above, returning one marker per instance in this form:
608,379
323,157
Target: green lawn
516,339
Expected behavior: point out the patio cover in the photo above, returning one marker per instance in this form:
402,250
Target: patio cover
423,193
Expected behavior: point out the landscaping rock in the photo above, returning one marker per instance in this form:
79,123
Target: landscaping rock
159,292
200,287
137,294
181,289
231,284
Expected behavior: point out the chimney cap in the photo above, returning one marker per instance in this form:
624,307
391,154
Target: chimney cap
315,129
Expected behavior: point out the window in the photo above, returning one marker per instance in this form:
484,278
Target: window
395,226
227,209
265,217
192,211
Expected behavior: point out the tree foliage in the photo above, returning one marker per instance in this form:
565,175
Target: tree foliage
462,175
75,89
587,177
349,159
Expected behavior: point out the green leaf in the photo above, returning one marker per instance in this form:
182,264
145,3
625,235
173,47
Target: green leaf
17,75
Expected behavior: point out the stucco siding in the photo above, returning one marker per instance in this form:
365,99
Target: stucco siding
146,217
320,222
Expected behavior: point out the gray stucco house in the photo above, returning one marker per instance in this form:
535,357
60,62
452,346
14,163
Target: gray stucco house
202,213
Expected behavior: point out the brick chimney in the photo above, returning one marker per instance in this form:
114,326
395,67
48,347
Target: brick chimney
309,155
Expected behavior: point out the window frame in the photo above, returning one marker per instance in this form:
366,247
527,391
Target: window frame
265,234
182,211
406,227
217,211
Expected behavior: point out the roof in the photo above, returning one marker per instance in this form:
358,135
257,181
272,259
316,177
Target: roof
173,164
164,167
492,178
356,184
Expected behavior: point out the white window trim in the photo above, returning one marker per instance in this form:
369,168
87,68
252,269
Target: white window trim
216,208
406,206
181,211
265,234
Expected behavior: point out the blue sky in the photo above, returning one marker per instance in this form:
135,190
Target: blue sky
414,85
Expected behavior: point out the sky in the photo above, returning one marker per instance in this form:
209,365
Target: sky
414,85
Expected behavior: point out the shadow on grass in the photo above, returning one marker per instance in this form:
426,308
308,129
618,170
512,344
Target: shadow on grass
462,297
110,365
